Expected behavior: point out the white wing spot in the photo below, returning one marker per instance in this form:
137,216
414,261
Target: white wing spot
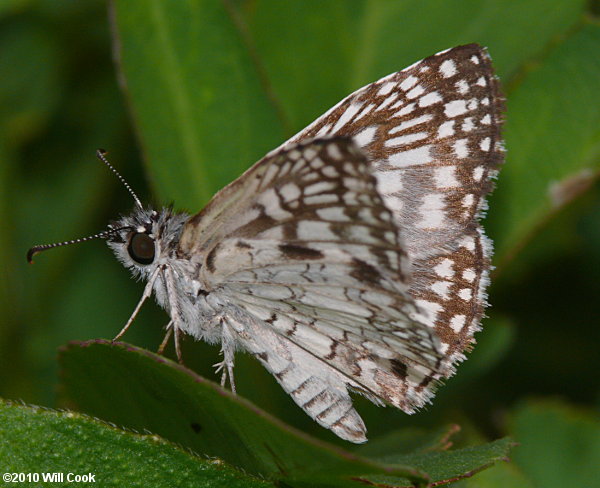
271,204
445,268
386,88
460,148
407,124
407,139
445,177
466,294
333,213
419,155
404,110
334,151
315,230
446,129
468,200
415,92
472,105
455,108
289,192
462,86
320,187
321,199
469,275
474,59
486,119
448,68
317,163
409,83
309,153
330,172
481,81
432,211
478,173
365,136
430,99
468,243
398,104
442,288
323,130
387,101
468,125
485,101
389,182
350,112
458,322
485,144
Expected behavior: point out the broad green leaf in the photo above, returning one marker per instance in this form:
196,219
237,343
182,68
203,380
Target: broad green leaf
406,441
310,69
552,137
31,88
143,391
445,467
37,440
558,445
200,107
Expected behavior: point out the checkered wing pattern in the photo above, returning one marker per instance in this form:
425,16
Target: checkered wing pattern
352,257
431,133
313,257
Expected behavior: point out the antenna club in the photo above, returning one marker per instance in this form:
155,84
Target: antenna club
32,252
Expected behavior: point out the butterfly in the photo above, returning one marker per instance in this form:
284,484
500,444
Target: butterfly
349,259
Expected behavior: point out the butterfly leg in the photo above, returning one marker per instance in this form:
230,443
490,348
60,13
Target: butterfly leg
165,341
177,346
227,350
145,295
226,368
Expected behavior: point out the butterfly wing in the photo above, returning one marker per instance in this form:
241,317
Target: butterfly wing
432,135
314,261
347,264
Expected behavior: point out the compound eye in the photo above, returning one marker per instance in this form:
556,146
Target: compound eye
141,248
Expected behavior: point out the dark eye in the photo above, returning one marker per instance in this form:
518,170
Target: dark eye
141,248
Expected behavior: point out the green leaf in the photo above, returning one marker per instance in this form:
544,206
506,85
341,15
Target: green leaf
31,88
406,441
201,109
553,140
143,391
559,445
445,467
311,70
36,440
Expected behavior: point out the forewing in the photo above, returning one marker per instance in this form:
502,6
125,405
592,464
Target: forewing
432,135
314,255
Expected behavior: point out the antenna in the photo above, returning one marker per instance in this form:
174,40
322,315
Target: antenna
101,155
37,249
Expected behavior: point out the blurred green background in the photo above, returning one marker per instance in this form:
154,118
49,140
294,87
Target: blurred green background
185,96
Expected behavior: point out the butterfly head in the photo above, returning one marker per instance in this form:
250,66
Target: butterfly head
146,238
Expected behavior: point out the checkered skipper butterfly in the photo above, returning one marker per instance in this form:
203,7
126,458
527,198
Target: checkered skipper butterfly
351,258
